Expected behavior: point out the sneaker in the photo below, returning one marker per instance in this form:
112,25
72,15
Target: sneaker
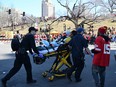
31,81
78,80
3,83
69,77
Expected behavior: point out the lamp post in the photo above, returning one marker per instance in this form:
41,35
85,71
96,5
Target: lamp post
11,20
23,20
25,17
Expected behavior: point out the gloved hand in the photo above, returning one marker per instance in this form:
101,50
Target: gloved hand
35,55
40,55
93,50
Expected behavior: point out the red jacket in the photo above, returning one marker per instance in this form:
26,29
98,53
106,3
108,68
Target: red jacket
103,57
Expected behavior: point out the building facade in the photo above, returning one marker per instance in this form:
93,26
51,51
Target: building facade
48,9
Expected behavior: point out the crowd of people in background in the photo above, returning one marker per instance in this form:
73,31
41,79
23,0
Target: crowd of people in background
89,35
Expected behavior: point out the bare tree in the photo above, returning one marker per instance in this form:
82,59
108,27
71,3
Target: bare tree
109,5
30,19
9,20
80,13
14,19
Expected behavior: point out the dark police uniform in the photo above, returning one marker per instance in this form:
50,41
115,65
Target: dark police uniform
77,43
22,57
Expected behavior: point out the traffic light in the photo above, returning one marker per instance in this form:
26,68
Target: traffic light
23,13
9,11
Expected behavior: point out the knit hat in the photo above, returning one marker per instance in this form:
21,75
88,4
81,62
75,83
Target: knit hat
79,30
102,30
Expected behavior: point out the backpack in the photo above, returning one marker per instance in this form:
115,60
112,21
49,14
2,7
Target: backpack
15,44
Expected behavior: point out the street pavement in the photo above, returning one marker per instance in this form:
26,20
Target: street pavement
19,80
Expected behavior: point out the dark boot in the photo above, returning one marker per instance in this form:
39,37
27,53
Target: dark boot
31,81
102,85
3,83
69,77
78,80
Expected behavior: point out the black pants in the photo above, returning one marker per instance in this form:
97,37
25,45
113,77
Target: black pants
69,60
20,59
77,67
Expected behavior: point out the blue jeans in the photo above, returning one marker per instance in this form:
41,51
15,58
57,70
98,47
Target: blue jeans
98,73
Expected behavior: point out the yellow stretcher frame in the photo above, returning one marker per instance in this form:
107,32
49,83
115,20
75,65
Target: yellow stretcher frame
62,60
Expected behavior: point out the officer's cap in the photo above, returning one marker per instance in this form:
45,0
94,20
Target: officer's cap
79,30
32,29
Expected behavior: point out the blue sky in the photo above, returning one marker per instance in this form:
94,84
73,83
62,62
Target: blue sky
30,6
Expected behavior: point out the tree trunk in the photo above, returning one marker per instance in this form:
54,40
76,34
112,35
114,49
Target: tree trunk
76,26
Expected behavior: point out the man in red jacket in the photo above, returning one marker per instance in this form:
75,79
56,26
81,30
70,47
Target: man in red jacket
101,57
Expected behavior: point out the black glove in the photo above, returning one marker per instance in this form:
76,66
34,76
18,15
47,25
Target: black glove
94,51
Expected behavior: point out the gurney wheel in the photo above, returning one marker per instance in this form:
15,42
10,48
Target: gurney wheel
51,78
44,74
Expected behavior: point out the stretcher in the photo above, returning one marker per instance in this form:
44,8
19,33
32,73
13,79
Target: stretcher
61,53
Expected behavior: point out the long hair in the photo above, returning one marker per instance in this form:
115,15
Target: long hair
106,38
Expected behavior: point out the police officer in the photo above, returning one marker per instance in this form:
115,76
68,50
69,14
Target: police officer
77,44
22,57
